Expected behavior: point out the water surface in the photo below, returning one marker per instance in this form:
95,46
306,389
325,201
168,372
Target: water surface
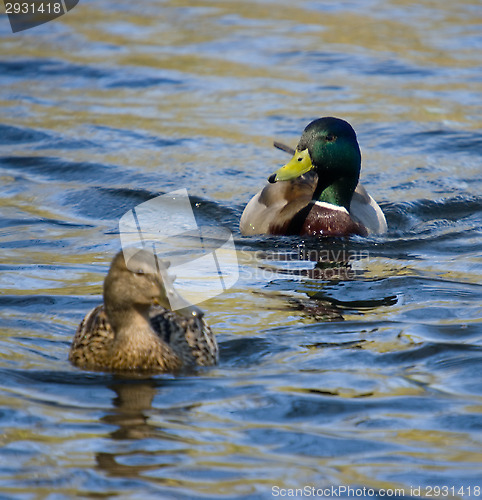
365,377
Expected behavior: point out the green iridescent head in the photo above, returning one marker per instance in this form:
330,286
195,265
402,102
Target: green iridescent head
330,147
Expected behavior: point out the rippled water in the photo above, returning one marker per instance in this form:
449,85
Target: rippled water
367,377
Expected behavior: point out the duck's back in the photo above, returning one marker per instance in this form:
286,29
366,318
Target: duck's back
276,204
191,338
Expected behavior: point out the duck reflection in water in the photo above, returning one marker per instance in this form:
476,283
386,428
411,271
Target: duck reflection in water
133,401
324,265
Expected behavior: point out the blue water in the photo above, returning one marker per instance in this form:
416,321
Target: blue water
366,376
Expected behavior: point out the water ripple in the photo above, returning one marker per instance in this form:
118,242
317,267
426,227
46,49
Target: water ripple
343,362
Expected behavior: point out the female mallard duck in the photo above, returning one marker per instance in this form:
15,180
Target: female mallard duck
135,330
317,192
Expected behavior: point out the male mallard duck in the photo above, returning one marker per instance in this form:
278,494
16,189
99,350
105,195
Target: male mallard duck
317,192
135,330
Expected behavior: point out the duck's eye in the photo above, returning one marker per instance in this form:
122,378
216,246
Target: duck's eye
139,272
330,138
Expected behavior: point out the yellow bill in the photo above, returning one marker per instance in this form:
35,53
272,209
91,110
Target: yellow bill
298,165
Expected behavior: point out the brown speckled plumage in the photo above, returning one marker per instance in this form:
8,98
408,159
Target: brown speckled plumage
129,334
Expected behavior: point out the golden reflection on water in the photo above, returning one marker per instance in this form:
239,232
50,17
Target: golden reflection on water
169,39
133,418
237,67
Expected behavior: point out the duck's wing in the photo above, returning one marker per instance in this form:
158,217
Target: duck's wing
276,204
91,338
262,209
190,338
365,210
